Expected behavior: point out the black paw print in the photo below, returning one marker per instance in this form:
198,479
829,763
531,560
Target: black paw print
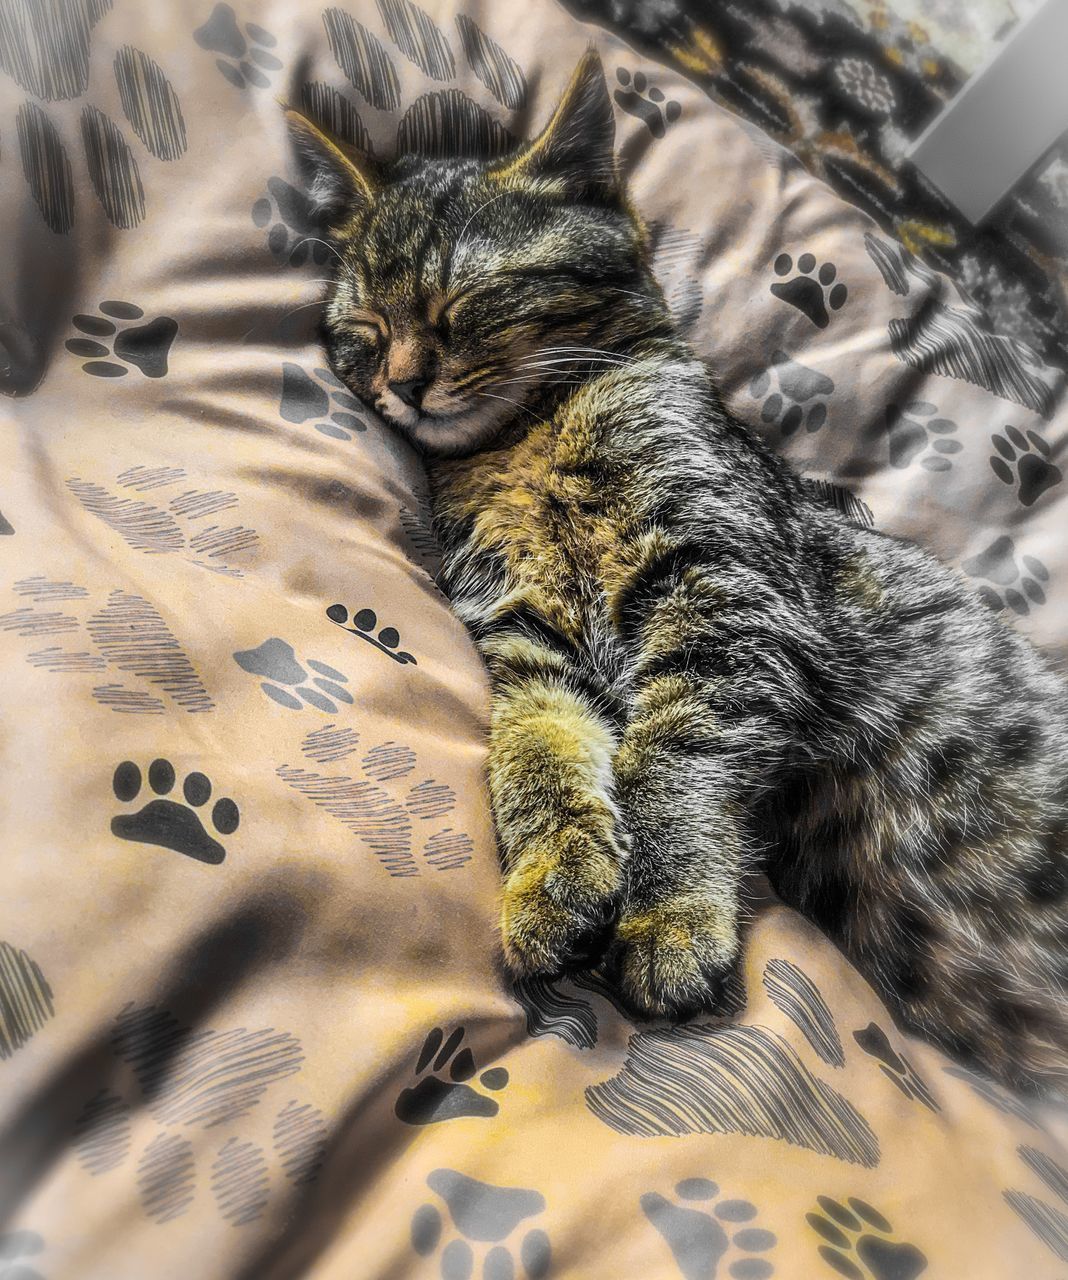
1018,584
221,34
304,399
484,1215
699,1238
362,623
638,98
895,1066
909,430
167,822
811,295
15,1246
795,394
1024,461
277,661
295,230
433,1099
145,346
860,1244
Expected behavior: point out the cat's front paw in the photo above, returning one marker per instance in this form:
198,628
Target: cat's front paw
560,900
676,957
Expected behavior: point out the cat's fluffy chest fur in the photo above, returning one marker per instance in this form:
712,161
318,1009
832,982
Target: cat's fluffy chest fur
564,521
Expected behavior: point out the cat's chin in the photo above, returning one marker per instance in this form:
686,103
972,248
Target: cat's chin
459,433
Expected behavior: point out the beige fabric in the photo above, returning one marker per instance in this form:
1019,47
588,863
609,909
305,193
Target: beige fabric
214,1038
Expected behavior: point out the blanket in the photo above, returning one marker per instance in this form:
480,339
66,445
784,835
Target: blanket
253,1021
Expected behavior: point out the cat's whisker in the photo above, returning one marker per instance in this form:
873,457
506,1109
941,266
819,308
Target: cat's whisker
460,238
326,245
486,395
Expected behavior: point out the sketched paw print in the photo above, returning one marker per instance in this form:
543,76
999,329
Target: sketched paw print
1020,582
194,1087
56,69
303,399
1023,461
700,1237
362,624
482,1215
895,1066
169,823
144,346
860,1243
433,1098
638,98
793,394
277,661
914,432
383,815
811,294
221,34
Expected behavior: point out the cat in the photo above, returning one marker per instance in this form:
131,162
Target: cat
701,669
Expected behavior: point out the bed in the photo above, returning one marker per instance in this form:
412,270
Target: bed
238,713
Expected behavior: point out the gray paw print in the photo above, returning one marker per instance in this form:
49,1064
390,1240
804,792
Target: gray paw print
484,1219
793,394
1008,581
277,661
915,432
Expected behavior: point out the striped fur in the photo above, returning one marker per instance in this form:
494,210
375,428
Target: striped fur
700,666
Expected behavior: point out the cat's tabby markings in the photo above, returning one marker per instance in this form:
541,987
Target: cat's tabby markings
701,665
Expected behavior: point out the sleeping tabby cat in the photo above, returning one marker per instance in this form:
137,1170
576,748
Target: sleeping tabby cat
700,668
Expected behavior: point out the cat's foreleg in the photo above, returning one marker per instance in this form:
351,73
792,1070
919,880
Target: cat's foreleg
676,939
550,777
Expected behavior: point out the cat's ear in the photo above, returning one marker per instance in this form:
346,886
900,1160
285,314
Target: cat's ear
576,147
339,181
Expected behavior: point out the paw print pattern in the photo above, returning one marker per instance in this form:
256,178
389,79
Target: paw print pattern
433,1098
174,522
813,295
15,1248
362,623
861,1244
294,229
304,398
144,346
1018,584
169,823
222,34
701,1234
895,1066
638,98
25,1000
277,661
794,395
56,69
1024,461
366,801
914,431
486,1217
199,1091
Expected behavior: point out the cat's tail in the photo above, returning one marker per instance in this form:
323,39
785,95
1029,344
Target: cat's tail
1000,1004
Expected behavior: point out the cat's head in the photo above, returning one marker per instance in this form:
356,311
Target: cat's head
466,289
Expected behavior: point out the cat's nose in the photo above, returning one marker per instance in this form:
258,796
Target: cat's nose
410,391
